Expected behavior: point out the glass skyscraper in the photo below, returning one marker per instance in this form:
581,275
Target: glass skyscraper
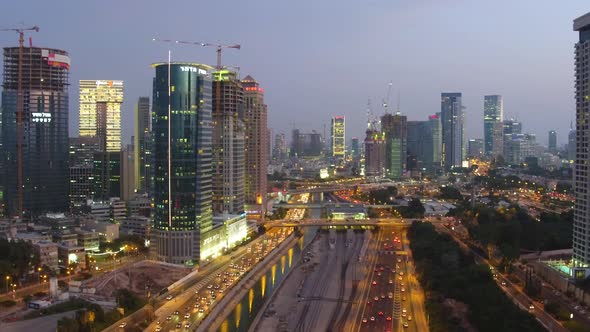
395,132
451,110
493,116
338,136
100,112
182,130
45,171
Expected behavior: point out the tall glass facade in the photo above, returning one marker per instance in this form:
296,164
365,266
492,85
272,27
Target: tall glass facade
182,197
451,110
45,171
493,115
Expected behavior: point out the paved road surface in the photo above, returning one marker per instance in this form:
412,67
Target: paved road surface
41,324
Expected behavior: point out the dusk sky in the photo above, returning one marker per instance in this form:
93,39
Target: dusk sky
316,59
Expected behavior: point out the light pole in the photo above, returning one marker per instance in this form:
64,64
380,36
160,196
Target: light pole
7,278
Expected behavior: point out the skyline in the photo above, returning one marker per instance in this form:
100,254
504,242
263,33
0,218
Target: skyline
511,60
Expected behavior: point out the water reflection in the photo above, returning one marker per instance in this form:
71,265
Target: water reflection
239,320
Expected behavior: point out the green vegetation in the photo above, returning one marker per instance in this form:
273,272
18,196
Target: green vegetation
379,196
93,318
450,192
17,258
446,272
415,209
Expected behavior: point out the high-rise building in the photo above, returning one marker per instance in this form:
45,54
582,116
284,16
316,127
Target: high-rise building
512,126
581,240
395,131
128,190
338,136
106,173
254,116
451,110
228,144
571,146
44,131
436,128
374,153
181,122
354,147
475,148
552,144
280,147
82,150
100,112
306,144
517,147
141,145
493,116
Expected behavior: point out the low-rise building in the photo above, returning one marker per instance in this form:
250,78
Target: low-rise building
47,253
32,237
136,225
66,238
89,240
70,255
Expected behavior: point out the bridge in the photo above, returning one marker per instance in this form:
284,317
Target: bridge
326,222
329,204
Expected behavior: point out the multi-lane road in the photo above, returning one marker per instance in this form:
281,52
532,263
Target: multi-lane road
393,300
185,310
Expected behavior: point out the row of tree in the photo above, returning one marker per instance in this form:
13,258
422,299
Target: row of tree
453,281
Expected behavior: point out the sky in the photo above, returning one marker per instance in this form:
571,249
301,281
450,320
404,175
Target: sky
321,58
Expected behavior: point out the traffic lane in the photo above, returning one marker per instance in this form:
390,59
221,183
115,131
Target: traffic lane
186,305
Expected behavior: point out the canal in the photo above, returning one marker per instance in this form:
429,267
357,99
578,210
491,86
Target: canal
245,312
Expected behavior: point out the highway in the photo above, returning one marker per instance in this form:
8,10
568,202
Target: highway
186,310
393,302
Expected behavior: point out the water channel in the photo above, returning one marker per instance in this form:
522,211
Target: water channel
245,312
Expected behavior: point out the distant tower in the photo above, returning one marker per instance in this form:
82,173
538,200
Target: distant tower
493,117
552,144
452,129
395,132
338,136
141,145
100,112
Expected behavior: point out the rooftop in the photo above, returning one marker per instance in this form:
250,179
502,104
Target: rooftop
582,22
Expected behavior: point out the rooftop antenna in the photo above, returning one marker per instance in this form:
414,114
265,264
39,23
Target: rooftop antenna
398,102
386,100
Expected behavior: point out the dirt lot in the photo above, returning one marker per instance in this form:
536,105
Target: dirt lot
137,278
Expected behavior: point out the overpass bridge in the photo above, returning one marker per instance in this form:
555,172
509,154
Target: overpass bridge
326,222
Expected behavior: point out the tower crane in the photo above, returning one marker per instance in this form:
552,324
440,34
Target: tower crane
219,47
386,100
19,114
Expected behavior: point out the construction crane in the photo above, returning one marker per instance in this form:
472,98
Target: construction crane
219,47
19,114
386,100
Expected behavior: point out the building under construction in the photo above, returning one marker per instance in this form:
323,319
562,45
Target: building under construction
44,145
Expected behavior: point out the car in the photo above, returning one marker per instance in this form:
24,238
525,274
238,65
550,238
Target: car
401,273
378,274
187,316
197,305
187,325
380,313
201,310
374,283
122,325
406,325
369,302
169,318
390,295
178,325
390,281
382,296
409,317
531,307
404,314
372,318
376,298
158,329
388,319
176,313
503,283
403,298
364,320
403,289
404,310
